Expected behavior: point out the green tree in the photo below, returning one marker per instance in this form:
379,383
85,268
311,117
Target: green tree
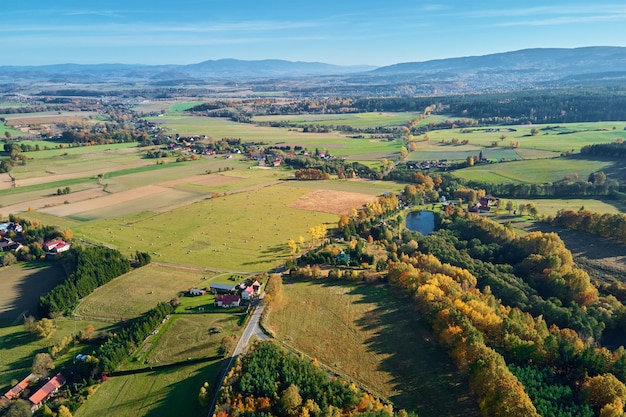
8,259
19,408
509,206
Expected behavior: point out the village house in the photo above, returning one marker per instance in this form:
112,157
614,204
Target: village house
20,387
44,393
196,291
248,293
227,300
56,246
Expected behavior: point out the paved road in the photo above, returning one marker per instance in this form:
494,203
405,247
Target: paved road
252,329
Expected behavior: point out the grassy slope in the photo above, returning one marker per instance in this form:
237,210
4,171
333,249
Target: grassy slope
533,171
369,334
243,231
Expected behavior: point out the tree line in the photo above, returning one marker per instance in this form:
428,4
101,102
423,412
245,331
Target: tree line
611,226
92,267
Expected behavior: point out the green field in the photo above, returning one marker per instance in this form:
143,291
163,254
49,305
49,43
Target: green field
371,335
163,392
356,120
550,206
536,171
138,291
242,231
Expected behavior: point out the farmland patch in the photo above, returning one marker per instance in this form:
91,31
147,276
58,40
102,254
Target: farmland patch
330,201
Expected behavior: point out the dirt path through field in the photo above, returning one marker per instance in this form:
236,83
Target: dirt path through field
5,181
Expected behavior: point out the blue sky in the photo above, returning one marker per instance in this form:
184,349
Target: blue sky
339,32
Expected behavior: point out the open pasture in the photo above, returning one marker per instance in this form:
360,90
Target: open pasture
356,120
48,117
241,231
136,292
162,392
369,334
537,171
550,206
551,138
189,336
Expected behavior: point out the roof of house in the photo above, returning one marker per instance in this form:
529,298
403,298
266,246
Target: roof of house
228,298
256,284
21,386
249,290
54,243
51,386
223,287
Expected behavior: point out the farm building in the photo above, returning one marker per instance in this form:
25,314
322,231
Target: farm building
222,288
247,293
20,387
257,287
45,392
56,246
227,300
196,291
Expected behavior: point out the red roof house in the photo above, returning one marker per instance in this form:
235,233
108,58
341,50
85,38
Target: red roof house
227,300
247,293
45,392
20,387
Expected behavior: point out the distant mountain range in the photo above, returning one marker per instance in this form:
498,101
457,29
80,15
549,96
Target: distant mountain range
529,68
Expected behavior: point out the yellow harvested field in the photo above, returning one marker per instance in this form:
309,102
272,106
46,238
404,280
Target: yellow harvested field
5,181
330,201
55,201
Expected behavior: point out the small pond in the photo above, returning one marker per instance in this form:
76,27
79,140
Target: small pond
421,221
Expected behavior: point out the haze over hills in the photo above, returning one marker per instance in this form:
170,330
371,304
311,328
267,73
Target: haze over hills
528,68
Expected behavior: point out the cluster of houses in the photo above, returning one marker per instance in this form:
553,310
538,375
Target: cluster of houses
443,164
39,396
6,243
227,295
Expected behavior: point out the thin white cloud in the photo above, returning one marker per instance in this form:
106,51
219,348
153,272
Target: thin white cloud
564,20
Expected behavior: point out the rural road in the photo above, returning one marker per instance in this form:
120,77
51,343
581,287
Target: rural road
252,329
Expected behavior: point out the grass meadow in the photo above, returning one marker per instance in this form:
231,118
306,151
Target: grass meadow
550,206
536,171
240,231
160,392
356,120
136,292
369,334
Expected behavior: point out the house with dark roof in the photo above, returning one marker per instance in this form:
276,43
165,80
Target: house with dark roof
227,300
44,393
222,288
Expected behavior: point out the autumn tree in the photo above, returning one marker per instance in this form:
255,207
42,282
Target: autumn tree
42,365
290,401
204,396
